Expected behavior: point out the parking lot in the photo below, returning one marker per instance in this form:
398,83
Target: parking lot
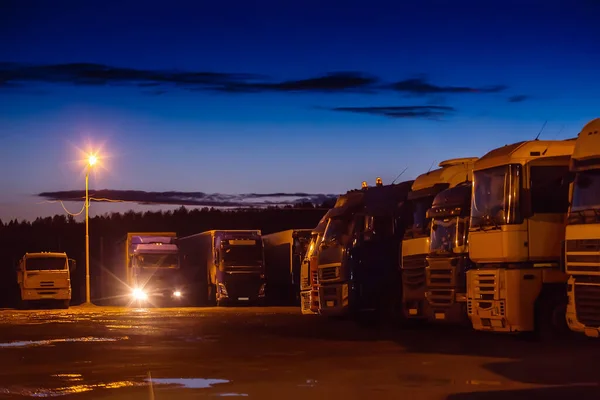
185,353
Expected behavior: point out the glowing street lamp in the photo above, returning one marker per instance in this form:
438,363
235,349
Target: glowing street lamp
91,161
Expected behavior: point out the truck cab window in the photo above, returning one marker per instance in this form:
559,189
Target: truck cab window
549,195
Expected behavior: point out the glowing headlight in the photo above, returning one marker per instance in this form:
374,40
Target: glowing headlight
139,294
177,293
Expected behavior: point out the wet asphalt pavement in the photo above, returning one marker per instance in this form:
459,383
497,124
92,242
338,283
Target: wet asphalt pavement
117,353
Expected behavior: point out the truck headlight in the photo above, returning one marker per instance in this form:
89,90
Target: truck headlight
177,293
139,294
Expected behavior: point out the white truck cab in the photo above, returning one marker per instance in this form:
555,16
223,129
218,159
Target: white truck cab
45,277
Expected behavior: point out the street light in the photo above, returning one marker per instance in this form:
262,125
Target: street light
91,161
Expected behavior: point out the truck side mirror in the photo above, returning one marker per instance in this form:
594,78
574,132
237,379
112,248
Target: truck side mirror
72,265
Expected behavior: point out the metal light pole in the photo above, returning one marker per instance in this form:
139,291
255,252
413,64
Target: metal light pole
92,159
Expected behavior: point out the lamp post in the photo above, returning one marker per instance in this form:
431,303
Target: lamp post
92,159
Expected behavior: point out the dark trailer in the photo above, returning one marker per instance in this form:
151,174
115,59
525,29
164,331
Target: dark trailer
284,252
228,266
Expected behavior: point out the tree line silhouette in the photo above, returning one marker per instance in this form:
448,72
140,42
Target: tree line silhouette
62,233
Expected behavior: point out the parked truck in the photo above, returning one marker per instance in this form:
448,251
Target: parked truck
45,278
372,254
228,266
583,234
152,269
448,259
359,269
309,282
332,277
518,215
416,241
284,252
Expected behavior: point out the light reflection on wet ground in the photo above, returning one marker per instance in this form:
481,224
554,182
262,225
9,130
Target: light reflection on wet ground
32,343
262,353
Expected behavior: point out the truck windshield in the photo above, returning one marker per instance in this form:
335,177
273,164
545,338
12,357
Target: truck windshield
301,244
586,191
45,263
420,225
496,196
157,260
241,255
337,229
448,235
311,246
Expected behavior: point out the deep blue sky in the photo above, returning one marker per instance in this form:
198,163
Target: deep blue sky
526,61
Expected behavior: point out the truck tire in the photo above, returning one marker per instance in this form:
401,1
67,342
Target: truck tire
212,294
550,320
64,304
23,305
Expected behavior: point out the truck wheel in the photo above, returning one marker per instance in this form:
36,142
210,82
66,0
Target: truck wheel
64,304
550,321
222,303
212,294
23,305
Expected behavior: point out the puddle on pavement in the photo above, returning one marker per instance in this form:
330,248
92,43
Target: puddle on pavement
189,383
67,390
69,377
309,383
35,343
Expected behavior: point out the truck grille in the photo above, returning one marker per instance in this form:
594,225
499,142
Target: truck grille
441,297
587,304
305,301
413,270
315,278
46,283
583,245
590,246
440,277
328,273
485,285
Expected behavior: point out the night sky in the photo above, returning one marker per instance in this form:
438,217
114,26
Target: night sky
314,96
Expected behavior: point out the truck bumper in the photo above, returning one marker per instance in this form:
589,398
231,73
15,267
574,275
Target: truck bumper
492,318
455,312
333,299
46,294
240,291
572,320
305,303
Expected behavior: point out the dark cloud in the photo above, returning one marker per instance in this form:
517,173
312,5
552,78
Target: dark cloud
420,86
425,112
98,74
91,74
192,198
518,98
332,82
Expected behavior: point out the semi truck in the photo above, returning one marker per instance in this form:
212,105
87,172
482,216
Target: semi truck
152,269
362,241
416,241
45,278
332,254
448,259
373,262
582,241
518,217
284,252
309,283
228,266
